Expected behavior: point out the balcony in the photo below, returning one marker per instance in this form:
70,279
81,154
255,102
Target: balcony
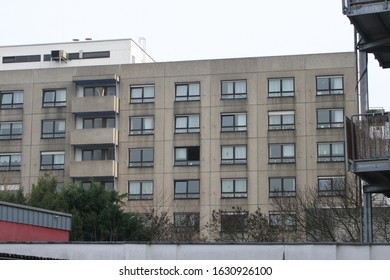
94,168
371,18
368,148
95,104
94,136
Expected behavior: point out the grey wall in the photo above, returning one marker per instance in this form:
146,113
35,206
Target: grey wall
122,251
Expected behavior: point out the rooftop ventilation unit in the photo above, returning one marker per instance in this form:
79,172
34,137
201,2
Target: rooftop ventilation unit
59,55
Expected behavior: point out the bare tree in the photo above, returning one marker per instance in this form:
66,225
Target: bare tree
238,225
334,216
167,221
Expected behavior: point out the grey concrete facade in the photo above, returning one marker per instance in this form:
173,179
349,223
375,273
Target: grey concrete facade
65,153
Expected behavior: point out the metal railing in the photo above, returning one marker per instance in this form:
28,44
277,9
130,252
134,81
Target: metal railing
349,4
368,136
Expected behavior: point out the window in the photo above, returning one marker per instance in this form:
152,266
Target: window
281,120
13,188
330,118
187,156
142,94
233,154
233,222
54,98
234,188
286,221
186,221
330,152
233,122
98,154
281,186
107,185
99,122
331,186
188,91
52,160
281,87
22,58
141,157
11,130
187,189
140,190
10,162
330,85
141,125
101,54
281,153
100,91
187,124
233,89
11,100
53,129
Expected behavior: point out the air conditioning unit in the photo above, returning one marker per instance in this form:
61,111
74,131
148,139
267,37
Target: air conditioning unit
59,55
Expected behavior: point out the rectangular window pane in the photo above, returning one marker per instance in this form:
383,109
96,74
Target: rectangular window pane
274,86
288,85
288,151
240,186
180,153
227,186
194,89
135,188
227,152
181,90
149,92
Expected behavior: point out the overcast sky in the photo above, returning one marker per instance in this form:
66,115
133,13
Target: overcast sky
194,29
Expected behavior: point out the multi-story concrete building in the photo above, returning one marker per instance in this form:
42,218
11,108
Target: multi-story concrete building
186,137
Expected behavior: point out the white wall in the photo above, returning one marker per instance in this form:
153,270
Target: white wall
122,251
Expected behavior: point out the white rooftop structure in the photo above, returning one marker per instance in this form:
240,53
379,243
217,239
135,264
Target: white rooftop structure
72,54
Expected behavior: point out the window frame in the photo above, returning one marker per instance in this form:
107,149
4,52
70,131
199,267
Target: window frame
330,156
282,221
234,127
187,194
187,129
281,93
233,95
331,124
143,195
234,194
55,103
281,125
190,221
94,121
11,166
52,165
142,163
282,192
234,160
95,90
234,226
142,99
188,96
282,159
186,161
330,90
11,135
13,104
105,154
143,130
333,188
55,135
